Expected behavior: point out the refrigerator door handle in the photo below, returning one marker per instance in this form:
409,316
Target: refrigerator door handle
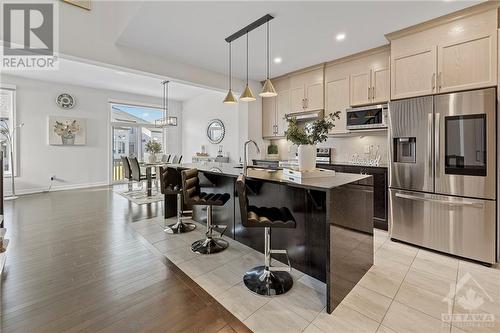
444,202
437,144
429,140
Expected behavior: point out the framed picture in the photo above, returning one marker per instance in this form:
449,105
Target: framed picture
85,4
67,131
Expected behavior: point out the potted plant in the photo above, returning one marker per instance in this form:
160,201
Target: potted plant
152,147
272,151
308,136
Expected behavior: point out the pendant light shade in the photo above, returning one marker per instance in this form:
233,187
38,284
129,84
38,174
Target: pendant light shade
230,99
268,88
247,95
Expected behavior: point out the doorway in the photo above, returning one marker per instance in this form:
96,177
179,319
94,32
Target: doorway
132,127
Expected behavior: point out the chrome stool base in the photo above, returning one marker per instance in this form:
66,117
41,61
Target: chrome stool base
179,228
268,283
209,245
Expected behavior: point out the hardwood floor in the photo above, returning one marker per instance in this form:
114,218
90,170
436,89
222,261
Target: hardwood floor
75,264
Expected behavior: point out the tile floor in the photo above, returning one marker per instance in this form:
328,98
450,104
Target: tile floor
407,290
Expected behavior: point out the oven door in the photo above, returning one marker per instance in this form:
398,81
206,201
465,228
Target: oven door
465,161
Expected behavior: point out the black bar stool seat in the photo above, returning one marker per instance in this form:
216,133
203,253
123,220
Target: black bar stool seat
193,196
171,183
266,280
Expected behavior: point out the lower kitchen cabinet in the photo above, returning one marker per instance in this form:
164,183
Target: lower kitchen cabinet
380,189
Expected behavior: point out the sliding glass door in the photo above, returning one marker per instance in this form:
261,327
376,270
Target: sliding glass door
124,144
131,128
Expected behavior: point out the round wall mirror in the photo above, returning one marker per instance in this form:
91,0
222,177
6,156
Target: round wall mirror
215,131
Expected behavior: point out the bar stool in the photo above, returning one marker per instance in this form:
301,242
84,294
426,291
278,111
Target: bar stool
170,183
265,280
194,197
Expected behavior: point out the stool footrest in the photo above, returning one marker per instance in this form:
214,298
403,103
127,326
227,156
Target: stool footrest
216,226
280,269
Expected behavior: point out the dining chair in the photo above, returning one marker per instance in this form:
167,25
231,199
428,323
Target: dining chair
175,159
165,158
127,173
180,159
135,168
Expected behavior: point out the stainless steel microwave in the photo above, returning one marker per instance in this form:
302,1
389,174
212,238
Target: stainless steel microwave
367,117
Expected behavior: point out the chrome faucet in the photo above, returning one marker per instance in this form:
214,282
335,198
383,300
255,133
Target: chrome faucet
245,152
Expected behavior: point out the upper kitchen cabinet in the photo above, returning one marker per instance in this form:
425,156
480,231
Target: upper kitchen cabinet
274,110
369,87
452,53
381,84
359,79
467,64
307,90
369,76
337,99
361,88
413,73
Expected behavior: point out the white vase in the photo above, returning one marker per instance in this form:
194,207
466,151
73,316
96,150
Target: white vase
152,158
307,157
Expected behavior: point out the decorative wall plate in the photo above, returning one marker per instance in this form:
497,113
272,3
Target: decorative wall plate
65,101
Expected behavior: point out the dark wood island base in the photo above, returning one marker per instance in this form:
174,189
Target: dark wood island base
333,240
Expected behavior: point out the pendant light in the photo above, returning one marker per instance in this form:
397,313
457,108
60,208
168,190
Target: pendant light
247,95
166,120
268,88
230,99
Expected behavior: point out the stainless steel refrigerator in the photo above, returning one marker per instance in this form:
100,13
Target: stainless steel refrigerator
443,173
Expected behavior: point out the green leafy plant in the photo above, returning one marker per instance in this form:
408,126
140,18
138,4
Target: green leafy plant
153,147
272,149
313,133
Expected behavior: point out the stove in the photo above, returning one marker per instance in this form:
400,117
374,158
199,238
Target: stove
324,156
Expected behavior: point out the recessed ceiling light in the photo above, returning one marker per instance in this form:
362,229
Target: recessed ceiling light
340,36
278,60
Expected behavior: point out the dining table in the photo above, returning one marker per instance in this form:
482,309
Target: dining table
149,167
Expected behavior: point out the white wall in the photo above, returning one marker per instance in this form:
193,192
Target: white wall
196,113
77,166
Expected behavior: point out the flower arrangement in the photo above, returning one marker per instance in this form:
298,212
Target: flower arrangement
153,147
312,134
66,129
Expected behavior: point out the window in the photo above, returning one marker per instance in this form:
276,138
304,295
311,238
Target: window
7,119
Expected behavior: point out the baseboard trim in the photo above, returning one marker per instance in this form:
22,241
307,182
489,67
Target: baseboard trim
57,188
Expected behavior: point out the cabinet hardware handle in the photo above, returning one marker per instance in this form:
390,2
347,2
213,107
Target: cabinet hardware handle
369,93
373,92
439,81
433,81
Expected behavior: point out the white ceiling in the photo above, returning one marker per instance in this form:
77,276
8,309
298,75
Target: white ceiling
88,75
302,33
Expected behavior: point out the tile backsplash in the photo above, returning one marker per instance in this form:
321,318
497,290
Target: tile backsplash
344,147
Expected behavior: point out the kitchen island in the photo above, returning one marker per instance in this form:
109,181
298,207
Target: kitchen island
333,240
